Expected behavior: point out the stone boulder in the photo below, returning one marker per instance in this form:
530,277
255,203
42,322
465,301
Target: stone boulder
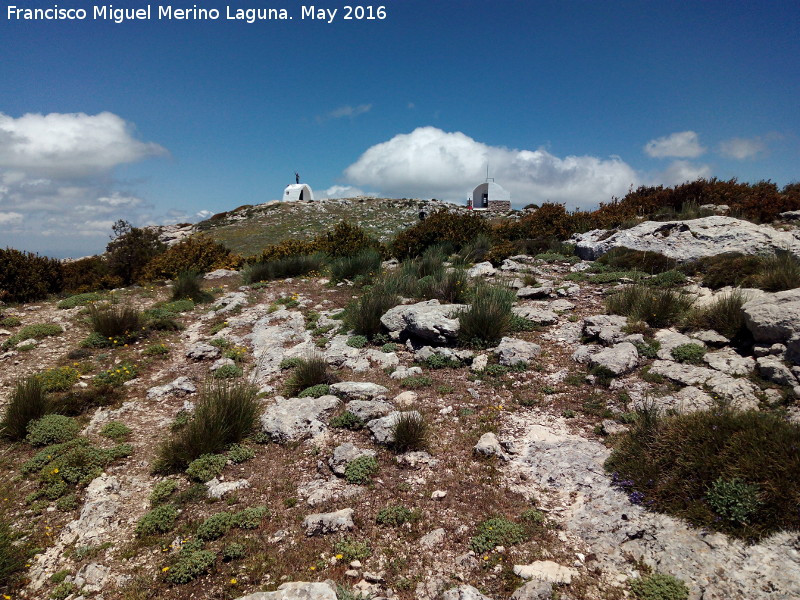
539,313
739,391
429,320
383,429
619,359
292,419
357,390
464,592
366,410
344,454
688,240
483,269
542,291
775,318
511,351
202,351
325,523
546,570
489,445
297,590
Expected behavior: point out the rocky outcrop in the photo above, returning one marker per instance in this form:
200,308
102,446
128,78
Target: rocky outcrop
511,351
689,240
429,321
297,590
292,419
325,523
775,318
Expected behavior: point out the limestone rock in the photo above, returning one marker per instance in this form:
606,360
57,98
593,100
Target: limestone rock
537,313
432,539
670,339
534,590
297,590
775,318
320,491
728,361
774,370
688,240
464,592
740,392
325,523
512,351
344,454
291,419
178,387
217,489
357,390
427,320
542,291
619,359
482,269
366,410
383,429
402,372
546,570
202,351
489,445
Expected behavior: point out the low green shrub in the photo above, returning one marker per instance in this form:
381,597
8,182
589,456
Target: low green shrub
156,350
191,565
416,382
496,531
10,322
238,453
733,499
116,431
52,429
437,361
282,268
361,469
346,420
637,260
116,376
58,379
315,391
357,341
396,515
215,526
37,331
198,253
351,549
27,403
162,490
161,519
233,551
689,353
409,432
80,300
250,518
228,372
667,279
206,467
658,586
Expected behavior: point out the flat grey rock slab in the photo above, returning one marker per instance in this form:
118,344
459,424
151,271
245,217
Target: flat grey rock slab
357,390
740,392
512,351
383,429
292,419
728,361
332,522
297,590
619,359
464,592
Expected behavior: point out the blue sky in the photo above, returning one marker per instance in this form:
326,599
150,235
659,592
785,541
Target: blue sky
161,121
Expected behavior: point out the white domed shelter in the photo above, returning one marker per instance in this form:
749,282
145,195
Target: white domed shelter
490,196
298,191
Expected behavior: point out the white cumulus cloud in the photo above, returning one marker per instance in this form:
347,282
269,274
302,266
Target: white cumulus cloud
683,144
429,162
342,191
57,192
742,148
69,145
681,171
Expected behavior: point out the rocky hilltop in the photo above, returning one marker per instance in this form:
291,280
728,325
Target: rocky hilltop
418,462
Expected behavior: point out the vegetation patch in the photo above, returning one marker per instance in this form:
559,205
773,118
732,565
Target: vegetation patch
37,332
496,531
361,469
657,307
658,586
725,470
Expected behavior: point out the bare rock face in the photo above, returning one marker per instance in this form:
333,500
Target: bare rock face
324,523
427,320
464,592
775,318
619,359
688,240
297,590
512,351
291,419
357,390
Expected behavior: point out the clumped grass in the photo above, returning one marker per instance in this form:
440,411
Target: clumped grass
488,318
780,272
116,321
410,432
290,266
309,372
28,402
188,284
12,556
364,315
724,315
658,586
449,287
657,307
728,269
225,414
637,260
365,264
729,471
